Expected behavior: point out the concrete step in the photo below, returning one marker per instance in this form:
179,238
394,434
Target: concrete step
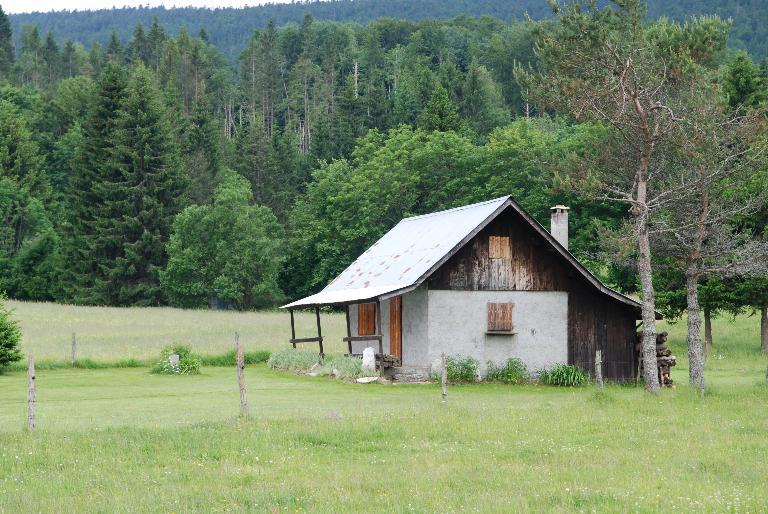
409,373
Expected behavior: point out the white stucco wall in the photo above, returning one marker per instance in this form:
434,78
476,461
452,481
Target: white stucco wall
457,323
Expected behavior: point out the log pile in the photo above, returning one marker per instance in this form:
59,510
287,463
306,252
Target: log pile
664,358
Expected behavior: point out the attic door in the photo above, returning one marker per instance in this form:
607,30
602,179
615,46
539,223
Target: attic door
396,327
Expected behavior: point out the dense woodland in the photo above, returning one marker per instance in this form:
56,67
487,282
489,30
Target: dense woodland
228,28
154,170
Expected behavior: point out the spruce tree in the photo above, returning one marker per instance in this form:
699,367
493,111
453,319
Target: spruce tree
143,201
84,250
6,45
202,153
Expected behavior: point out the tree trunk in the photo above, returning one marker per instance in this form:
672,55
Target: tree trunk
764,329
695,353
707,334
650,373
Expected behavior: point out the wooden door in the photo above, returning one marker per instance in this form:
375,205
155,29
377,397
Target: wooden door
396,327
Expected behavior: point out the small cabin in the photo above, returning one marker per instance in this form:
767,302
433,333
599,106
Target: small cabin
487,281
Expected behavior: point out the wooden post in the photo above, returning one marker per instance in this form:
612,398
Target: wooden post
444,377
293,328
319,333
378,326
31,397
599,369
240,364
74,348
349,329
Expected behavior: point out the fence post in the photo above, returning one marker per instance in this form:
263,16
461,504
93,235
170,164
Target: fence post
240,365
74,348
599,369
444,377
31,397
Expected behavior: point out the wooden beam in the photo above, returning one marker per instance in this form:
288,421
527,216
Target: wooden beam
349,329
306,340
319,331
376,337
293,329
378,324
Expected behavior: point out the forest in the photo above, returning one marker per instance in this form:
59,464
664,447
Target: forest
153,170
229,28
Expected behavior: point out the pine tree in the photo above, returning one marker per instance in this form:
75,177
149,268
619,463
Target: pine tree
84,251
144,199
115,48
440,113
6,45
202,153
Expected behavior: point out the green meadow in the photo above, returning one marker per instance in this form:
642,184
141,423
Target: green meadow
125,440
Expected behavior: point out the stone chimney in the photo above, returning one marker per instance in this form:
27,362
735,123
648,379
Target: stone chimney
558,226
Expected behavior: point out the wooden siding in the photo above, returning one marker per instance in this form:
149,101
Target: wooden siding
595,321
529,264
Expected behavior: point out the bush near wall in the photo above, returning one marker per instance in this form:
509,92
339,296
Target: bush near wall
512,371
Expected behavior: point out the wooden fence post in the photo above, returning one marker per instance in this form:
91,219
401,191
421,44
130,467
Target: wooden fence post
240,364
599,369
444,377
31,397
74,348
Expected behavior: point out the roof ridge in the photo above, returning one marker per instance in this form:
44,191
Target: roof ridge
470,206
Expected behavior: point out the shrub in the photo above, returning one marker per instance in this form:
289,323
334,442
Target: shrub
291,359
10,336
189,364
513,371
563,375
228,358
460,369
346,367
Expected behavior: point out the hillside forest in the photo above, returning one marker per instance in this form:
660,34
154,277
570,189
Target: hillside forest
155,170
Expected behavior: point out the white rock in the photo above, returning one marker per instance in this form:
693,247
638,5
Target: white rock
369,360
367,380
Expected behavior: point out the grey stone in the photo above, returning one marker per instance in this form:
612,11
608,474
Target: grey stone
367,380
369,360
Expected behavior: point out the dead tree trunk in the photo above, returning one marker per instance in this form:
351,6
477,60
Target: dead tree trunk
764,329
240,363
444,377
31,394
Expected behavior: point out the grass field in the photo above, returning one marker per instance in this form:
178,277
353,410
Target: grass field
126,440
111,334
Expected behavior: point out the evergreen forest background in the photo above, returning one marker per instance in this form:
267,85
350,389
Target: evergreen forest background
242,157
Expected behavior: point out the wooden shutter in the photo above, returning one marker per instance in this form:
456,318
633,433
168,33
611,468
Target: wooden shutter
498,247
500,317
396,327
366,319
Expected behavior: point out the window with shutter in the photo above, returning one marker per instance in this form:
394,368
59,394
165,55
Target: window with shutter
366,319
500,317
498,247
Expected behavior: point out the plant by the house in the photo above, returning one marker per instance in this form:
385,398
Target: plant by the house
563,375
293,359
512,371
460,369
188,363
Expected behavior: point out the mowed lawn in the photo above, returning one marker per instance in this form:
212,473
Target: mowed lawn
127,440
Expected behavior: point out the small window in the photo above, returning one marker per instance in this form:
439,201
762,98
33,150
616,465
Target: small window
366,319
500,317
498,247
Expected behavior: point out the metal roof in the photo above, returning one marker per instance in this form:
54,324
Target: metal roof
409,253
405,253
